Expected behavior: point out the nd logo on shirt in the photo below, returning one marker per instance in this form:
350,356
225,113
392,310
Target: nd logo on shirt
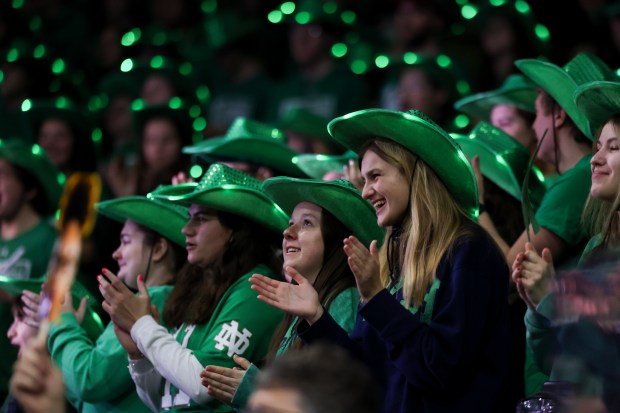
229,338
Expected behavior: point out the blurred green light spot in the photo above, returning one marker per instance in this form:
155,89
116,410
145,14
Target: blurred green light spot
26,105
199,124
58,66
463,87
330,7
522,7
61,178
96,135
195,171
203,93
496,3
617,72
348,17
35,23
209,6
36,150
303,17
444,61
126,65
12,55
410,58
58,213
157,62
461,121
1,76
18,4
195,111
461,2
160,39
359,67
39,51
382,61
137,104
185,68
62,102
542,32
275,16
339,49
287,7
469,11
175,103
128,39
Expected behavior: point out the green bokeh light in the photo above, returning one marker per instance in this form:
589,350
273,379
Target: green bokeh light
195,171
275,16
339,50
126,65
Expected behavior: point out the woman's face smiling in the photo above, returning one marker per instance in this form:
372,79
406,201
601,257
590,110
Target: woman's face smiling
605,164
302,245
132,254
386,188
205,236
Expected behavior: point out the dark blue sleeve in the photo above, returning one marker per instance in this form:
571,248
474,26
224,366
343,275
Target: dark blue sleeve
469,322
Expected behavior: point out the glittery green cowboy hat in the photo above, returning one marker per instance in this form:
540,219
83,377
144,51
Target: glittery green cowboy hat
339,197
561,82
317,165
516,90
91,323
503,160
64,108
250,141
177,110
165,218
416,132
226,189
32,159
598,101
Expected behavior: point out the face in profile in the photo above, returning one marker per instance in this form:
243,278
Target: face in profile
386,188
508,119
206,238
302,246
132,254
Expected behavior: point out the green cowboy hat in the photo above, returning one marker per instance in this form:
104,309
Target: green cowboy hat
229,190
516,90
503,160
416,132
561,82
177,110
32,159
304,122
598,101
38,110
317,165
250,141
339,197
91,322
165,218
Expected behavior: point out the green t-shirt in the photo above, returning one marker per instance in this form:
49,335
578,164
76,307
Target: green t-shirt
95,373
23,257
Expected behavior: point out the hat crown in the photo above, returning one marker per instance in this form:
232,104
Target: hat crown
586,67
243,128
516,82
501,142
219,175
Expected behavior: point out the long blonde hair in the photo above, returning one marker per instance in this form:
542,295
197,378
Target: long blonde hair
434,221
599,216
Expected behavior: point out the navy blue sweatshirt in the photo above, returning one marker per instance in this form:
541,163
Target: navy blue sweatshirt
450,355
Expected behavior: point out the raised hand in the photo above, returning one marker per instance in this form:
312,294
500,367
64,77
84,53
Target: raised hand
37,383
222,382
353,174
67,307
364,264
31,302
533,274
301,300
124,307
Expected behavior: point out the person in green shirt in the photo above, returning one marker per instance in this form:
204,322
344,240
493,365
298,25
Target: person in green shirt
534,272
30,188
322,215
151,244
232,232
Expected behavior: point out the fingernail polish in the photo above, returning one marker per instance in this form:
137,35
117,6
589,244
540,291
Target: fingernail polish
140,277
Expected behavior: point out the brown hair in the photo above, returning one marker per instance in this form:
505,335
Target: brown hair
198,290
334,276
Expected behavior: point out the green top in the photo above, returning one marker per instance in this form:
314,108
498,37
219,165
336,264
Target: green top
95,373
561,208
343,310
